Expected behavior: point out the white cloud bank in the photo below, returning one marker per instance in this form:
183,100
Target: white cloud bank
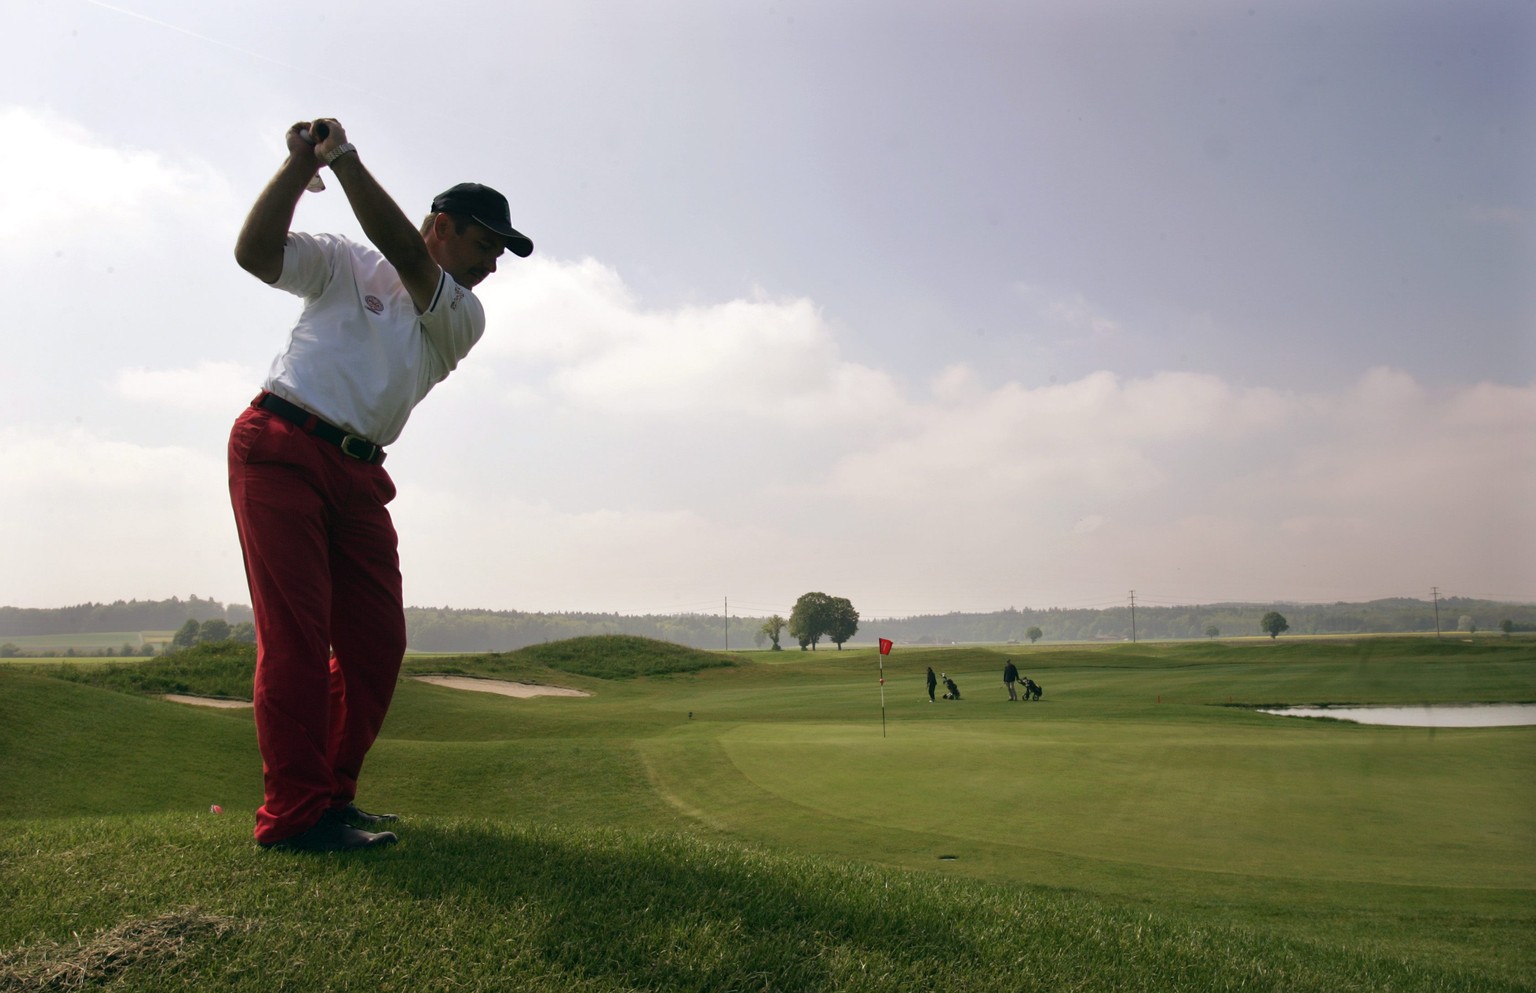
206,388
735,450
59,180
597,454
84,518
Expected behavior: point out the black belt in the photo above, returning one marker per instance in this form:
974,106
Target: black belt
351,445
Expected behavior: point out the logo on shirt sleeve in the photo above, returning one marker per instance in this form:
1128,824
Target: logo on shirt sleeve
458,294
374,304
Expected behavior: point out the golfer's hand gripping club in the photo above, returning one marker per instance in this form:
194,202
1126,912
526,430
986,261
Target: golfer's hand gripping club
320,133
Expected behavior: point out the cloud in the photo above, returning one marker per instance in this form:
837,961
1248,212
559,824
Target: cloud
1173,481
1174,484
93,518
596,453
545,310
1098,438
576,333
1392,450
1067,314
80,186
208,388
646,560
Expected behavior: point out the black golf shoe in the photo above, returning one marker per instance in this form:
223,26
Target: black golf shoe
332,834
359,818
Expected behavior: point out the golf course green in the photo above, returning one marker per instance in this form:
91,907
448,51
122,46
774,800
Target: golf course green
761,821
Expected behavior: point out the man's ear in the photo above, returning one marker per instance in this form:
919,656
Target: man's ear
442,226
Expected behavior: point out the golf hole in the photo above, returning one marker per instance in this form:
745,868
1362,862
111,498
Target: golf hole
948,858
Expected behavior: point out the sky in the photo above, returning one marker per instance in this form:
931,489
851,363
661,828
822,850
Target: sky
936,305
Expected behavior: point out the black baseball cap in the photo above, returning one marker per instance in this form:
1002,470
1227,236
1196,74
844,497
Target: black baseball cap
487,208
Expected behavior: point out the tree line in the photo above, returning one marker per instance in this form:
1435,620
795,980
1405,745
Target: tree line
1230,620
447,629
120,615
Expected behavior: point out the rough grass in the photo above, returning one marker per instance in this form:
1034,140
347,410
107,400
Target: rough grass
467,904
618,656
225,669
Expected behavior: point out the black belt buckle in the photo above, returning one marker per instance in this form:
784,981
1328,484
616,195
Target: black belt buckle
358,448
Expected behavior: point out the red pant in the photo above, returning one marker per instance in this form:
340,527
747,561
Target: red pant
324,572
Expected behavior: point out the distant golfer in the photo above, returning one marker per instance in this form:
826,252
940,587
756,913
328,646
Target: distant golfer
381,325
933,683
1011,676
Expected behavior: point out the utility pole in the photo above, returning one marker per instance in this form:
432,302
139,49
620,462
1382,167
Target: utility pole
1436,591
1133,617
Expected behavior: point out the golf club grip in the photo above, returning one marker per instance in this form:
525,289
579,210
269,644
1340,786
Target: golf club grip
315,137
321,131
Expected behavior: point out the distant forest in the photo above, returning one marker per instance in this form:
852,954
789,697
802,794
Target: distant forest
445,629
123,615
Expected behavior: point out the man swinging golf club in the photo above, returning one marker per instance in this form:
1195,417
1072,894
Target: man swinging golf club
381,325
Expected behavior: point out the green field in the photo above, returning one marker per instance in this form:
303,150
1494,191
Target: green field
757,826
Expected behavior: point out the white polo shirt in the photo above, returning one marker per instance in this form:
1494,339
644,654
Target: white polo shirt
360,356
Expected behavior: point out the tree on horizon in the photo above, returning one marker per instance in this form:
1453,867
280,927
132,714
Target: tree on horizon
842,621
817,615
772,628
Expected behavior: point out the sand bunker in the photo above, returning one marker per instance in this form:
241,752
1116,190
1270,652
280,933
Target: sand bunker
499,686
207,701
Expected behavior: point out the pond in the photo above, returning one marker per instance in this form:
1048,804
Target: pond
1474,715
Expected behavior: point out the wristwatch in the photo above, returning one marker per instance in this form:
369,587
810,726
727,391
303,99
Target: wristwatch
339,151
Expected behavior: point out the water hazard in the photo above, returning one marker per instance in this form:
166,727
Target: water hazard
1479,715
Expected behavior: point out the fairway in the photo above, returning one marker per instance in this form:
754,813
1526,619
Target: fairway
1144,778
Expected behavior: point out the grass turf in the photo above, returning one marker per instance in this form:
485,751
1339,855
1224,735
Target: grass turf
749,827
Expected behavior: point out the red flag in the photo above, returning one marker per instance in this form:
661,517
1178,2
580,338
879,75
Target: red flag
885,646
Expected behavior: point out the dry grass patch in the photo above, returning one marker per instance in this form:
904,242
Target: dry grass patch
136,944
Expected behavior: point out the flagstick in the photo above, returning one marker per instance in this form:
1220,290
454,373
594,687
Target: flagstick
885,648
882,696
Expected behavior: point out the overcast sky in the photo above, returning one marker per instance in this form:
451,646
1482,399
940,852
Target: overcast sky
933,304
